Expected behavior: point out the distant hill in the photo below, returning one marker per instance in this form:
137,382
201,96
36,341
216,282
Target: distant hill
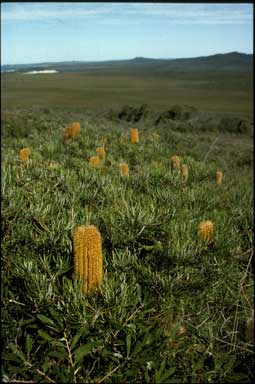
228,61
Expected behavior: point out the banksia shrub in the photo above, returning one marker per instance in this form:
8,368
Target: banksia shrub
24,154
206,230
88,259
185,171
94,161
124,169
101,152
219,176
134,135
175,162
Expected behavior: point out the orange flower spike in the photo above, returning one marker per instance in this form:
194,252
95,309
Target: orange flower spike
134,134
88,259
94,161
206,230
175,162
75,129
124,169
101,152
24,154
219,177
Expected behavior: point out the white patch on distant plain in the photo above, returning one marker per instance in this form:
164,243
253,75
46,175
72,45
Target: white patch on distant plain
44,71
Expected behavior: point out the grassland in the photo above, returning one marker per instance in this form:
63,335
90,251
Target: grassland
172,308
216,91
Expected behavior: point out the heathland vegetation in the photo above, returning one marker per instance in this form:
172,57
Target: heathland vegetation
174,295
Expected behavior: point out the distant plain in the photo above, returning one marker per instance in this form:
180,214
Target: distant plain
211,90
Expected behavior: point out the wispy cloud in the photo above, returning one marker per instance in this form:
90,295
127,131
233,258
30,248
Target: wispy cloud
50,11
130,13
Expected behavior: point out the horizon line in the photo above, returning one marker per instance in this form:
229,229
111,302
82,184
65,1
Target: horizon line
133,58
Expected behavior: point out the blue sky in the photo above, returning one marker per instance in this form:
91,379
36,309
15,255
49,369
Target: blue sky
42,32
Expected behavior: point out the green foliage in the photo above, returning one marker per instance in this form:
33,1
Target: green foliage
158,275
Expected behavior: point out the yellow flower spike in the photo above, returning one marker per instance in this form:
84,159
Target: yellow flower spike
134,134
185,172
88,259
94,161
75,129
124,169
219,177
175,162
101,152
24,154
206,230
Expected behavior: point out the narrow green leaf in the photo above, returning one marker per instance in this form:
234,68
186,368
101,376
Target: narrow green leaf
46,320
59,354
57,343
45,335
56,316
83,351
167,374
77,337
128,343
19,353
29,344
162,367
11,357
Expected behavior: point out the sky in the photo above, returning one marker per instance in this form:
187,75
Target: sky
53,32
